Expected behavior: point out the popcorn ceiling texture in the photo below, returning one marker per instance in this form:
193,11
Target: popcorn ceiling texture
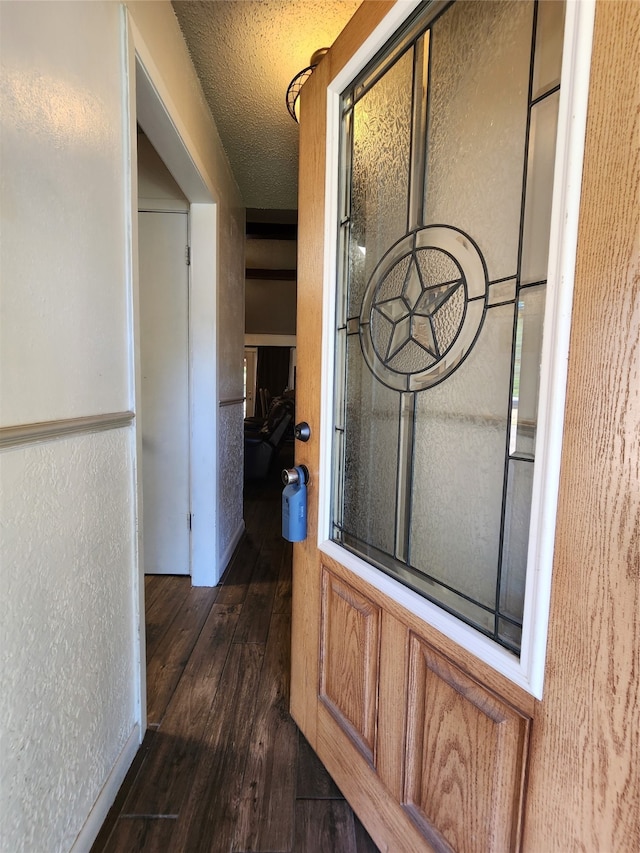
246,52
67,705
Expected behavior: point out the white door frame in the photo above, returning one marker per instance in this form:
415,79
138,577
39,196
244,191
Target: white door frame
149,103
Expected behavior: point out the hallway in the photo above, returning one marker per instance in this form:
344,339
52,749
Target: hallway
223,766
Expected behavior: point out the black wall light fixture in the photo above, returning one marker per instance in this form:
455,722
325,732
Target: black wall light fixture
293,89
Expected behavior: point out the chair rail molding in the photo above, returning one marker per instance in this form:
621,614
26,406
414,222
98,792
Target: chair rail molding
22,434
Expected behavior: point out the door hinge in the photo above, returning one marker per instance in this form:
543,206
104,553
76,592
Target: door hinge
189,520
188,256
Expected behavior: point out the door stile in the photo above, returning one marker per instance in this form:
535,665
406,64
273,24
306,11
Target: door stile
590,799
306,591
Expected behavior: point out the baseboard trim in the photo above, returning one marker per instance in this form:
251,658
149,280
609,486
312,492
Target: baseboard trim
225,559
107,795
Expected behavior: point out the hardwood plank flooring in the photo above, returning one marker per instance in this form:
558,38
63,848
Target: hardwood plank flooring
324,825
164,595
152,835
265,818
223,767
166,666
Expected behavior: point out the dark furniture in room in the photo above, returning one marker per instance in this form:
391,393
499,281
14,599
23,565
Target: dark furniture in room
261,443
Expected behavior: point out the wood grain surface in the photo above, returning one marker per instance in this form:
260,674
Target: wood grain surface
266,816
166,665
306,582
174,754
584,790
349,660
465,756
148,834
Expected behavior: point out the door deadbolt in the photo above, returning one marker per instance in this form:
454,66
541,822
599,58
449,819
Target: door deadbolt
302,431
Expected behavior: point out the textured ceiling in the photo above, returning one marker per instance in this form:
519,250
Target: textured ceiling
246,52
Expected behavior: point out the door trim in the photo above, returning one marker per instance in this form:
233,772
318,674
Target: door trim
151,104
147,100
528,670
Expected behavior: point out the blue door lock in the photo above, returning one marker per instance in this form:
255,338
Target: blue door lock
294,503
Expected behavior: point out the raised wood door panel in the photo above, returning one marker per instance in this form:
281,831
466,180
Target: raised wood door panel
465,756
398,624
349,656
448,753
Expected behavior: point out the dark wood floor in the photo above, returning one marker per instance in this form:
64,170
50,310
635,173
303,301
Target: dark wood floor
223,766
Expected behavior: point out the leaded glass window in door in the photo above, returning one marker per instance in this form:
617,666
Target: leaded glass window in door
447,157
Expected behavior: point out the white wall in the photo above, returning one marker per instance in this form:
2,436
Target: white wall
69,704
157,190
62,213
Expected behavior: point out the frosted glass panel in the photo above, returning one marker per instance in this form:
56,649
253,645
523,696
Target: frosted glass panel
503,292
380,182
443,248
537,219
510,635
477,126
459,463
549,34
526,379
516,538
371,454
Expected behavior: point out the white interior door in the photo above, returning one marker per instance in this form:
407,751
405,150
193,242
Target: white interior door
164,357
250,372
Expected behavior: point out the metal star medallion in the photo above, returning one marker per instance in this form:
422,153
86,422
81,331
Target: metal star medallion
414,314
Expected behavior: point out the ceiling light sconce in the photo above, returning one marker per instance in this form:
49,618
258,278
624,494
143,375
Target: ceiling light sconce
293,90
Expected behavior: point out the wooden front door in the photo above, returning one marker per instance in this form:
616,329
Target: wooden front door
456,738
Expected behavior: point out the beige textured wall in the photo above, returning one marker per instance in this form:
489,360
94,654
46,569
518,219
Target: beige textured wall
69,704
270,307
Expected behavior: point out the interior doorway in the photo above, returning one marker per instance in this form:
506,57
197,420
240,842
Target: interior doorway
163,287
148,101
